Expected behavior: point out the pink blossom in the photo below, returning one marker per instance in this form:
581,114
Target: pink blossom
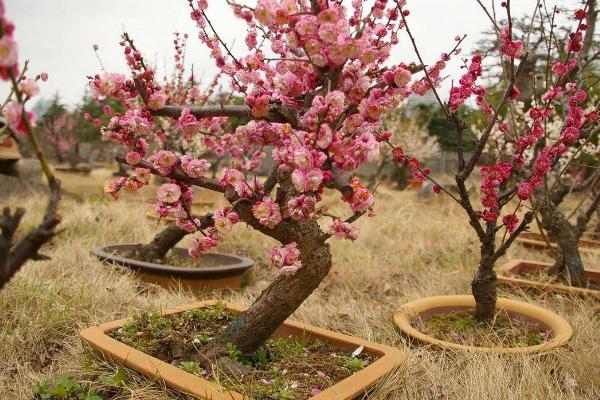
267,212
8,52
202,245
193,167
188,123
524,190
301,208
29,87
133,158
343,230
157,100
286,258
361,199
168,193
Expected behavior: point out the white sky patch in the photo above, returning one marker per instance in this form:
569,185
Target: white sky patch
57,36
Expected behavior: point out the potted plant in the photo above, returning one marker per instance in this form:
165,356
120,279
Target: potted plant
159,261
482,322
316,104
15,251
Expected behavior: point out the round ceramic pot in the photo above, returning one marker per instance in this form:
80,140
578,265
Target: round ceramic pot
560,329
222,271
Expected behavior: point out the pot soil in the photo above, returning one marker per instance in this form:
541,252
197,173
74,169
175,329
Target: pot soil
551,327
529,274
210,271
536,240
309,345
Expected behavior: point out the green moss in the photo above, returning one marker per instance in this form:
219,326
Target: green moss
462,328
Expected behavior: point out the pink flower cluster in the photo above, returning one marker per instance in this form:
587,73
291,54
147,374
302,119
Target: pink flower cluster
343,230
510,48
468,86
361,199
267,212
301,208
286,258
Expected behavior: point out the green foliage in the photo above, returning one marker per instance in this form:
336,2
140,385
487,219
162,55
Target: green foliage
65,388
354,364
233,351
444,130
118,379
191,367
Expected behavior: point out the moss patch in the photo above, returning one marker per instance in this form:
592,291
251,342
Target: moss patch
462,328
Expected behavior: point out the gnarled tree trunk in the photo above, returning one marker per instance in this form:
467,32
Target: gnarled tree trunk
568,260
164,241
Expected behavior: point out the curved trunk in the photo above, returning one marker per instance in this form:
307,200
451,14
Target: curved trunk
275,304
568,263
164,241
567,259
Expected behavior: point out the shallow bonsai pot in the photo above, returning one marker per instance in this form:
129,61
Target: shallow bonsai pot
508,275
559,327
226,270
176,378
536,240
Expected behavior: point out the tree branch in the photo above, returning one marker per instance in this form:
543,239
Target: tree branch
178,175
12,258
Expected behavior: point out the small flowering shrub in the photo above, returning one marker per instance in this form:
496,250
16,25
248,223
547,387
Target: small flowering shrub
314,85
520,170
14,253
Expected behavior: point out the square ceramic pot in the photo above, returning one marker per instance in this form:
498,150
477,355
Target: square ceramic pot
389,358
510,274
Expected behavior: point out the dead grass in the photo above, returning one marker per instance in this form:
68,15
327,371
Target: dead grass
407,252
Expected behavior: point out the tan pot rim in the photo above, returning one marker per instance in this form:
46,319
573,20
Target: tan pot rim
514,266
389,359
561,329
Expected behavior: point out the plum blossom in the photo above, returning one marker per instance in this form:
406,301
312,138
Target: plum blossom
286,258
9,55
168,193
343,230
267,212
361,199
157,100
188,123
202,245
194,168
29,87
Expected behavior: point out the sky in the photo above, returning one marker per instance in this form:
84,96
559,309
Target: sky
57,36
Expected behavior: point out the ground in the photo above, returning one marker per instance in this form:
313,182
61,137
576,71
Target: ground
414,248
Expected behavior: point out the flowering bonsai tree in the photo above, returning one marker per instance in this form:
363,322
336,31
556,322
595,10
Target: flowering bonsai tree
167,136
314,88
583,151
507,182
14,253
57,127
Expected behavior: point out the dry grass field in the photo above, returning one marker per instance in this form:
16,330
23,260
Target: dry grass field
412,249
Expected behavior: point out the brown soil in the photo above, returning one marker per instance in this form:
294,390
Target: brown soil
505,331
177,261
284,368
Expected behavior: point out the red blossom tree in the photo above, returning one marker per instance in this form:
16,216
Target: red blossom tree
510,180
